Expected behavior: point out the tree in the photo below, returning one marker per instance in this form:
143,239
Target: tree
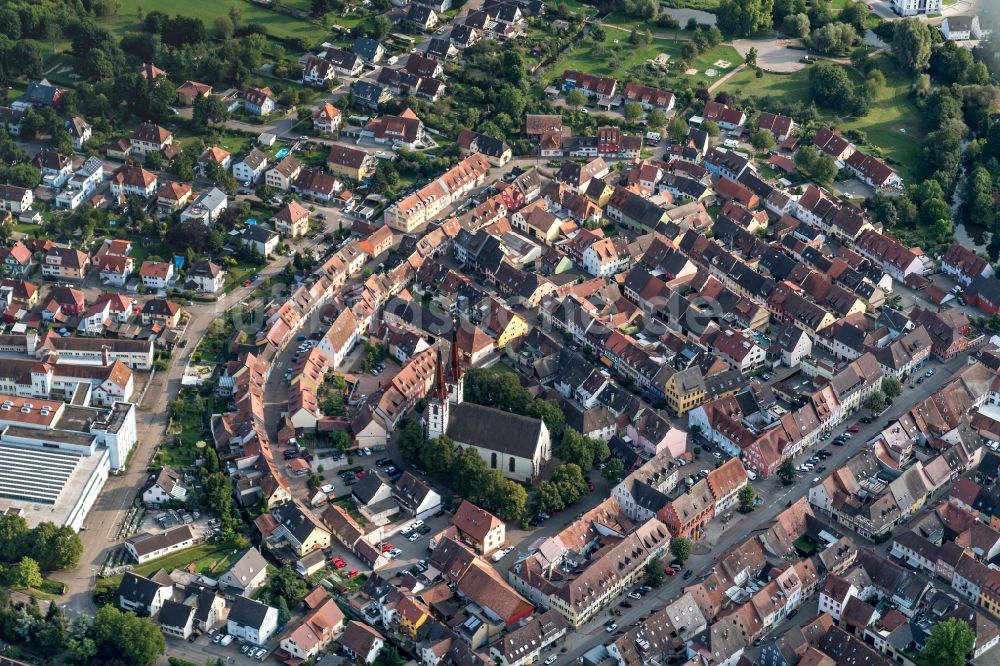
389,656
512,502
750,59
785,8
911,45
576,98
28,574
761,139
743,18
874,83
830,86
123,636
285,584
949,644
795,25
283,613
786,472
746,496
656,119
854,14
437,456
711,128
547,497
833,38
411,440
632,112
613,469
54,547
680,548
654,572
677,129
875,401
13,535
891,387
568,480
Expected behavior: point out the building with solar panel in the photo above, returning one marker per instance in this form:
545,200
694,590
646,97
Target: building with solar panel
55,457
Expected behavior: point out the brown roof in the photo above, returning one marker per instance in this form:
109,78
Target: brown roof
474,521
542,124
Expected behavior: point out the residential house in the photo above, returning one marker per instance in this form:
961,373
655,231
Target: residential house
281,176
250,167
259,101
251,621
478,528
150,138
156,275
292,220
350,162
64,263
327,118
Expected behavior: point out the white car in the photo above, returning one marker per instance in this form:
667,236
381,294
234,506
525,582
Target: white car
551,659
716,454
416,524
367,451
502,553
414,536
611,627
327,489
395,552
634,595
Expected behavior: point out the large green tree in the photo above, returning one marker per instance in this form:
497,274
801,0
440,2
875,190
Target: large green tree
949,644
911,44
123,636
743,18
680,548
654,572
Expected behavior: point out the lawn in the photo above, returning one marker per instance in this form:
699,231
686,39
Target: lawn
892,125
277,24
620,57
208,558
707,61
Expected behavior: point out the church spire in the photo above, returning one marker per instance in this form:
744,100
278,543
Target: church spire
454,365
440,387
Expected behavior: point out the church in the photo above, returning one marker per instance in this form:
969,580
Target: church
516,445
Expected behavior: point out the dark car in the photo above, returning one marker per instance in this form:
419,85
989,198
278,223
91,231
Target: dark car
382,462
688,574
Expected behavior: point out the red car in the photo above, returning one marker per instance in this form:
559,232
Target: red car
352,573
853,429
338,562
386,547
360,474
670,571
590,486
246,283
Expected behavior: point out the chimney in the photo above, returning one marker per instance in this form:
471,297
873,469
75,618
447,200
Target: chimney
106,355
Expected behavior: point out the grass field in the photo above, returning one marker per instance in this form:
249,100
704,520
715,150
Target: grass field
206,557
893,124
278,25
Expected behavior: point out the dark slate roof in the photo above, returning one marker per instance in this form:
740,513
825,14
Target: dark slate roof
175,614
248,612
494,429
138,589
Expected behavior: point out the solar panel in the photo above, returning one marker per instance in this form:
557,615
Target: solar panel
34,475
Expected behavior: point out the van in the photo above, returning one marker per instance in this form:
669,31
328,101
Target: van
751,475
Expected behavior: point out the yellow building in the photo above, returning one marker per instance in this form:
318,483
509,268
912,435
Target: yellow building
412,615
684,390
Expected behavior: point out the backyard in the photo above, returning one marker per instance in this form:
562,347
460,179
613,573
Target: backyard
207,558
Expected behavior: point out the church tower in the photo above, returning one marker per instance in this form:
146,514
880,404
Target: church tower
436,416
456,383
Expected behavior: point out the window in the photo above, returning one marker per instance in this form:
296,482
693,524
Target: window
493,460
511,463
